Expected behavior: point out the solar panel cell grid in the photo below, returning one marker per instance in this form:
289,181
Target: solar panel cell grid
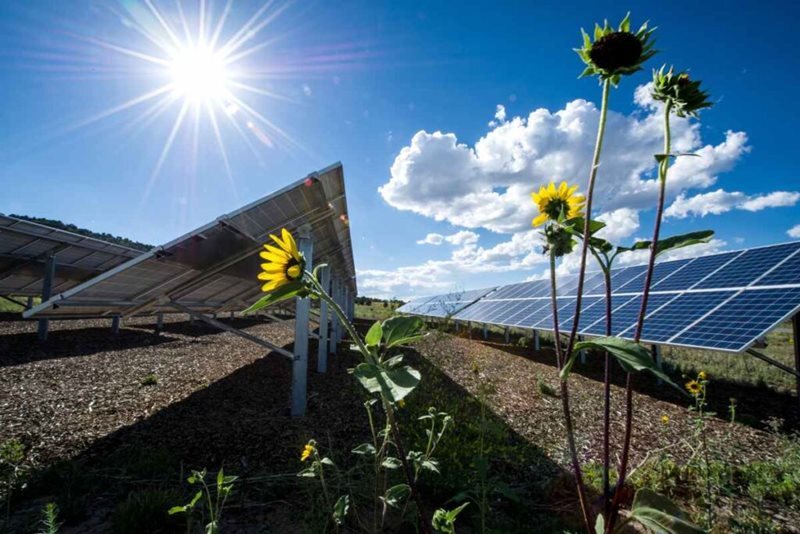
748,267
587,303
566,307
742,319
660,272
787,272
625,317
598,327
680,313
694,272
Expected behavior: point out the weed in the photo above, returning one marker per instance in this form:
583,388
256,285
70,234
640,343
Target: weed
211,499
545,388
146,511
149,380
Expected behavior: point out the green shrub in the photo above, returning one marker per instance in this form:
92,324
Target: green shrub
147,511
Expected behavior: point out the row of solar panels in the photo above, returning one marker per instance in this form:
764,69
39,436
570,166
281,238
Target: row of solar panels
212,268
723,301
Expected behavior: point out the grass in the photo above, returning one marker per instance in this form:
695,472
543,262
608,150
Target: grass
7,306
376,310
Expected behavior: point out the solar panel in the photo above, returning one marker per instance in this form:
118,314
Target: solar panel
214,267
25,246
723,301
444,305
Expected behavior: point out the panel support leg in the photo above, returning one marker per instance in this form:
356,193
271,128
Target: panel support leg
233,315
508,336
47,290
29,303
115,324
583,352
485,332
302,307
159,323
537,344
656,350
334,318
322,346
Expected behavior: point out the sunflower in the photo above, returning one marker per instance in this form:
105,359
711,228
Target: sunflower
308,450
702,375
665,419
615,52
285,263
679,91
694,387
552,202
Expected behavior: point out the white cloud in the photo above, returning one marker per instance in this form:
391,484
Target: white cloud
794,231
488,185
721,201
431,239
306,89
460,238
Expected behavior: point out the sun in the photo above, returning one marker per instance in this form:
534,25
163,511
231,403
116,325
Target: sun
199,74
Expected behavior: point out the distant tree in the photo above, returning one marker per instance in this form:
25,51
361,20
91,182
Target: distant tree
52,223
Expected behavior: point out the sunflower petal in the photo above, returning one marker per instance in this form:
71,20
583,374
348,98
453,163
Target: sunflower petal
540,219
273,267
281,243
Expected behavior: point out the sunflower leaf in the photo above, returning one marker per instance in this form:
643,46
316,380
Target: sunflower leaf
373,337
674,242
659,514
284,292
402,330
632,357
393,384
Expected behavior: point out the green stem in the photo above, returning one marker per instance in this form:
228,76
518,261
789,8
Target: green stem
663,169
560,359
598,147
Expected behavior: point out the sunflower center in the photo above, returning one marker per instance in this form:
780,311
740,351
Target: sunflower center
554,208
616,51
294,269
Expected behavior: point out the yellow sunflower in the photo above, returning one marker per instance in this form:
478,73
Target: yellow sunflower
552,200
308,450
665,419
284,263
694,387
701,375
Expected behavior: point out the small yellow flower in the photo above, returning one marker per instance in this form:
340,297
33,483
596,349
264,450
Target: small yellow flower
552,201
284,263
694,387
401,403
308,450
665,419
701,375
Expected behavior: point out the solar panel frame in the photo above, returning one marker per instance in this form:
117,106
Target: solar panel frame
213,268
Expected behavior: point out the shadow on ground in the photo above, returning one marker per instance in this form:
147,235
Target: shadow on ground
242,423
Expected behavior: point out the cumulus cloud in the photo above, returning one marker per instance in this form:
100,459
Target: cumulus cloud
794,231
460,238
431,239
488,185
721,201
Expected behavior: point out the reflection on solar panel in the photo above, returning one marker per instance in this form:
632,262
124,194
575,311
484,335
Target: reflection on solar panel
443,305
214,268
25,247
723,301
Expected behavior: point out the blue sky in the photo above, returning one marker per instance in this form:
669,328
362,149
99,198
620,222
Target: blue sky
370,84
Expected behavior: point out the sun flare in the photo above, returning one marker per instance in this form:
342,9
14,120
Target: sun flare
199,74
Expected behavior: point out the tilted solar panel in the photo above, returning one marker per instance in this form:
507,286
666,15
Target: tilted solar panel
723,301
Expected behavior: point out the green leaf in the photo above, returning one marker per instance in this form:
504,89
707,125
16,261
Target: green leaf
176,510
444,520
633,357
390,462
341,508
674,242
393,384
220,478
365,449
625,25
373,337
401,330
600,525
659,514
579,223
286,291
396,494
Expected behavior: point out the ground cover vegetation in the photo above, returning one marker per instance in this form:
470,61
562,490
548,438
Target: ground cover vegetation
422,430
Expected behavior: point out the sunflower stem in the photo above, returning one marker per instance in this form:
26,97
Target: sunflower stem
663,169
560,359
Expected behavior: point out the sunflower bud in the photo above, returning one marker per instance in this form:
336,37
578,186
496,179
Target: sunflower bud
615,52
559,240
679,91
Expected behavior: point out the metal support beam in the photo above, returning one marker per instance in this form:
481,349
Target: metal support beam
233,315
582,353
227,328
656,351
47,290
508,335
15,301
160,322
115,324
29,304
779,365
302,307
537,343
485,331
322,346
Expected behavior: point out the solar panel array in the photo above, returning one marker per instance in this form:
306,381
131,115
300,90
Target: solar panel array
443,305
724,301
25,246
214,268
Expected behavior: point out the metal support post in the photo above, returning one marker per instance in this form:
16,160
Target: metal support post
796,344
322,348
233,315
656,350
582,353
334,318
508,335
115,324
302,307
537,344
47,289
29,303
485,331
160,322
